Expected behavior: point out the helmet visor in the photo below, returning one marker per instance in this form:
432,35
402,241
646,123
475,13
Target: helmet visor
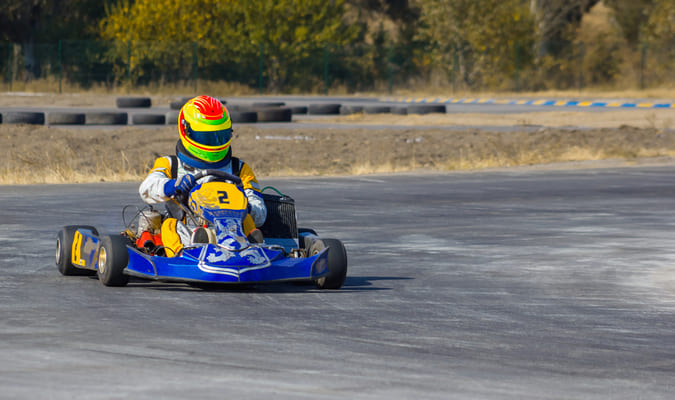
212,138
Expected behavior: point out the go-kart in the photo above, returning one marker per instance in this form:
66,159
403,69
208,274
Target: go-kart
218,251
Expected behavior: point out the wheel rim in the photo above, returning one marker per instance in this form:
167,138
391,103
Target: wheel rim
321,281
102,256
58,250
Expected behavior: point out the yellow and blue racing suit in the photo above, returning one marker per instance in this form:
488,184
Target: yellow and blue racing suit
151,190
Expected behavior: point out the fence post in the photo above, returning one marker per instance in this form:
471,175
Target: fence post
128,66
11,65
60,64
391,69
325,69
643,55
194,66
517,67
260,70
455,68
582,53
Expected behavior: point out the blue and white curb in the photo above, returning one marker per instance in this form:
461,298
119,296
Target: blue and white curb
553,103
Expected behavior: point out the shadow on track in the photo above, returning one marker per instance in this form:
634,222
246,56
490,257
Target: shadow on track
352,284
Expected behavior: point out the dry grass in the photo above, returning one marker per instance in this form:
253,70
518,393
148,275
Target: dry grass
51,85
90,155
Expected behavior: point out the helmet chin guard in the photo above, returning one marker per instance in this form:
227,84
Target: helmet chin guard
191,161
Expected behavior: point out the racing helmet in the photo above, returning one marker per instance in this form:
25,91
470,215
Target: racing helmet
205,129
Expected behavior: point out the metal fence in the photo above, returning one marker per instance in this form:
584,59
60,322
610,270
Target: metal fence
76,65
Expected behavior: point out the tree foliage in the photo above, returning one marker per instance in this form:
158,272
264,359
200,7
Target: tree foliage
232,32
556,21
474,43
479,45
631,17
660,27
22,21
33,22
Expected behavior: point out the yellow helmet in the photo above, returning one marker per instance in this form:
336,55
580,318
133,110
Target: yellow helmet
205,129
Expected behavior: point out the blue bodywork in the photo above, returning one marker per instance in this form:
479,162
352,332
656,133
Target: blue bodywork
241,262
213,263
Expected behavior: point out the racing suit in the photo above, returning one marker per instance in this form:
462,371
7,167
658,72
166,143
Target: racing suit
151,189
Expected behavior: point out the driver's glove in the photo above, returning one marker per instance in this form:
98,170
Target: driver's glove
182,184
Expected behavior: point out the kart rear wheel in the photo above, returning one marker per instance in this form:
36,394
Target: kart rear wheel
113,257
64,250
337,263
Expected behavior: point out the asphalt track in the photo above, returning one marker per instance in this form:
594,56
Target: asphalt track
494,285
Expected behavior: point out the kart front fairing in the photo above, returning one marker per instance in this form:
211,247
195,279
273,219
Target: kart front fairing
213,263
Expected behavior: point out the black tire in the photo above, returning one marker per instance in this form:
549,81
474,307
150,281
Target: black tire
64,250
337,263
299,110
377,109
282,114
133,102
172,117
267,104
244,116
179,103
148,119
113,257
65,118
348,109
426,109
23,117
238,107
324,109
400,110
106,118
176,104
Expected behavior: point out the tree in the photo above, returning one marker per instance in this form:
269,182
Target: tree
660,25
231,32
555,20
28,22
631,16
479,40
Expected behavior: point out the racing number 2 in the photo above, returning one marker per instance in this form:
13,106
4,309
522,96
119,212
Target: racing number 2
222,198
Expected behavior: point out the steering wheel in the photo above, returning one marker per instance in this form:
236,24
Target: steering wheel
220,175
180,199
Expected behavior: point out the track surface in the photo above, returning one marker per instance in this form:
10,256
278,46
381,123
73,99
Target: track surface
493,285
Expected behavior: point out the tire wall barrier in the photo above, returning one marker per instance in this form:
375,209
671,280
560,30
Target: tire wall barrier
426,109
106,118
133,102
324,109
240,113
148,119
23,117
281,114
244,116
65,118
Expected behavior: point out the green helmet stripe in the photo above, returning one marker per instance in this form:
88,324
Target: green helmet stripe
214,121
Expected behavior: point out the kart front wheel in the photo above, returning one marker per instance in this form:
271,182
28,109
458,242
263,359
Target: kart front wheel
337,263
64,250
113,257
